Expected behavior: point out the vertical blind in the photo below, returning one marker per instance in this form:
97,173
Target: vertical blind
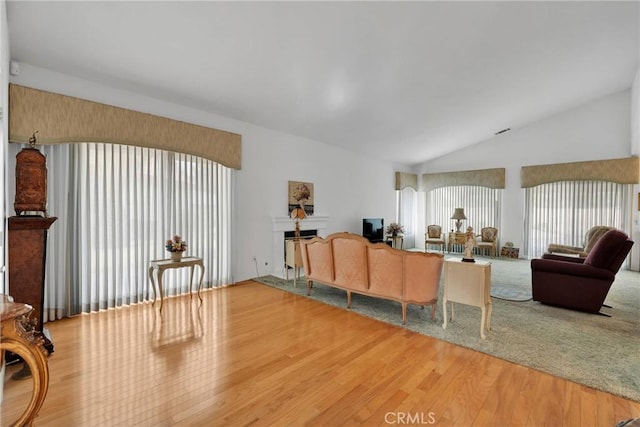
407,215
116,206
482,206
562,212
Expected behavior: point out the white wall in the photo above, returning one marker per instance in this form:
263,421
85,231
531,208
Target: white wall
635,115
347,186
635,150
597,130
4,99
4,68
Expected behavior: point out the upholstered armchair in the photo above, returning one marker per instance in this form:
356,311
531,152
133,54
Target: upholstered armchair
434,236
488,239
580,283
590,238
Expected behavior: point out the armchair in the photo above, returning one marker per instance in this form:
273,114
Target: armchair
434,236
590,238
488,240
580,283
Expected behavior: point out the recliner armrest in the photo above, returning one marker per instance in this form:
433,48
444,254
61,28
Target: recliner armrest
571,269
556,257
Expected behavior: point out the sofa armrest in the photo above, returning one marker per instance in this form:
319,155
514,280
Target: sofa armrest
571,269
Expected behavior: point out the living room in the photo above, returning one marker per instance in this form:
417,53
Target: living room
350,185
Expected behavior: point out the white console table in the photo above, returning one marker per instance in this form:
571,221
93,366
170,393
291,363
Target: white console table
468,283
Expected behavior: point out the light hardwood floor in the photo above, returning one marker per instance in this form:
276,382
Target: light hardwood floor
254,355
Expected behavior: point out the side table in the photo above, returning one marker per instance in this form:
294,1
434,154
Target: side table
18,336
468,283
160,265
293,259
397,242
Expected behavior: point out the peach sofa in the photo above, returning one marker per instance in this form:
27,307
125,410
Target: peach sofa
350,262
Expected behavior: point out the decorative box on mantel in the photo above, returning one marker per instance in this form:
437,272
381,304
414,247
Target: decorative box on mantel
510,252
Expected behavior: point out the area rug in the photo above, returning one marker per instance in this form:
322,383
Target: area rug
596,351
510,293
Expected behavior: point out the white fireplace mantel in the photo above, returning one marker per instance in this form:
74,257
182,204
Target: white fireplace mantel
280,224
284,223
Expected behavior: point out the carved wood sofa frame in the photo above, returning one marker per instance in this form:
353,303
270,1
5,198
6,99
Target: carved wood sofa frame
352,263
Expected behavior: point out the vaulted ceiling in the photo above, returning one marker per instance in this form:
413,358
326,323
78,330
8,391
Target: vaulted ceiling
404,81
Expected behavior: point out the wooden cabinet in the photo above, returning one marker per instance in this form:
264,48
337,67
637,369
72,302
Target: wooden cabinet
456,238
27,254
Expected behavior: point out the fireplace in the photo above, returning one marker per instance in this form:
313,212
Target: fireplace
284,227
304,234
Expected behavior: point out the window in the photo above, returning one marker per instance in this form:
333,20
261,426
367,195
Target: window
116,206
562,212
482,206
406,214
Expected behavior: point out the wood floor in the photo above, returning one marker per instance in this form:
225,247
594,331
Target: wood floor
254,355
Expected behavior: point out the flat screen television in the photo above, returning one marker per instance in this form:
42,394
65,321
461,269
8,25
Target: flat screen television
373,229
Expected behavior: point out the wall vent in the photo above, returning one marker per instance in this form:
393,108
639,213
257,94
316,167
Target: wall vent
502,131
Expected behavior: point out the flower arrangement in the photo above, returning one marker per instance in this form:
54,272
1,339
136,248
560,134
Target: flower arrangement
394,229
176,244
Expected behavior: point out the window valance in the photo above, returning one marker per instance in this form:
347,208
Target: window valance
621,171
491,178
404,180
65,119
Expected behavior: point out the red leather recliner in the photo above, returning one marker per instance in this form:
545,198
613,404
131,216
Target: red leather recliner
580,283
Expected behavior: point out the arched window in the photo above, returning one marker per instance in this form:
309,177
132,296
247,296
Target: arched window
116,207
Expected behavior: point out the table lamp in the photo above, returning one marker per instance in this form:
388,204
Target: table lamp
298,214
458,215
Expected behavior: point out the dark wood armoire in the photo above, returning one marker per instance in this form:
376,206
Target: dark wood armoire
27,255
28,234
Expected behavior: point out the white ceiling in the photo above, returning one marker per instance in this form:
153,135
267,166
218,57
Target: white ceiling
407,81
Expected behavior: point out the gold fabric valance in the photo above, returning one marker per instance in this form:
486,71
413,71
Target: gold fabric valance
404,180
492,178
65,119
621,171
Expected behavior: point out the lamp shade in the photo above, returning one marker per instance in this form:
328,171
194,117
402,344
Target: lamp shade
459,214
298,213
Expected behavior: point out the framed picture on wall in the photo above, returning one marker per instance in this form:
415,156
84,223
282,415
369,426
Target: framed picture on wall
301,195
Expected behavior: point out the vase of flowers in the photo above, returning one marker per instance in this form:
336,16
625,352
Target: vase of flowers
395,229
176,246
